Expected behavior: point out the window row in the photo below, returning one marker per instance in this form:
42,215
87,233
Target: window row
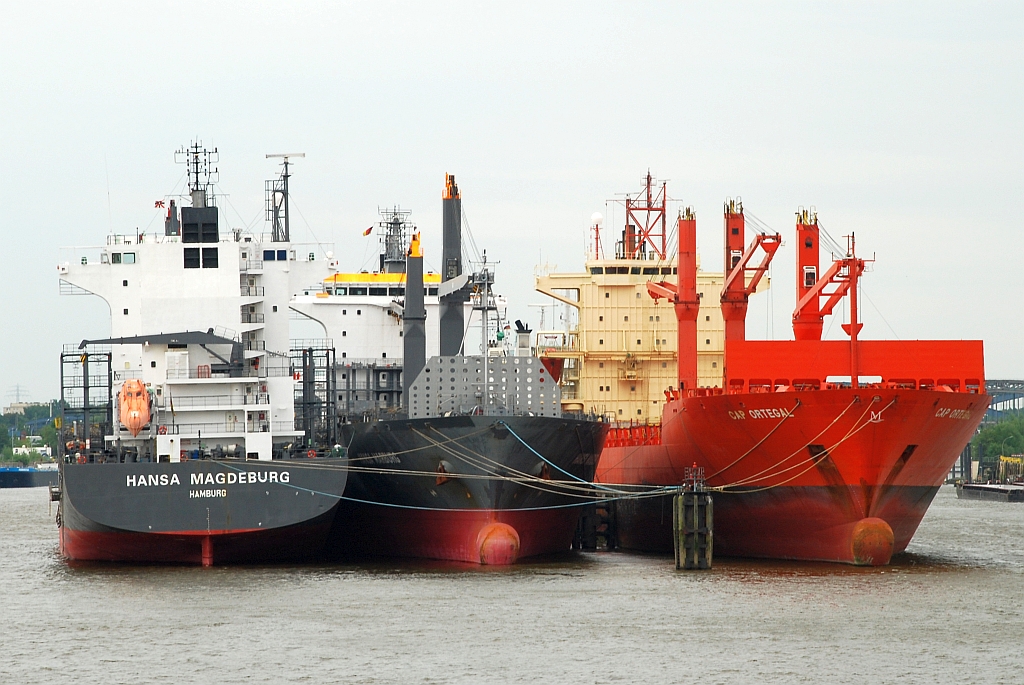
205,257
634,270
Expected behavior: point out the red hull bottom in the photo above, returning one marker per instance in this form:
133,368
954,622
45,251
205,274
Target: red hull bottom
282,544
478,536
807,523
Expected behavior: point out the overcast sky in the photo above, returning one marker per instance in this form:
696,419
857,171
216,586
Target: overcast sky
898,121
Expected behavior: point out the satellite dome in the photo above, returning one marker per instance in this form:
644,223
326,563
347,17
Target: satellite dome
597,219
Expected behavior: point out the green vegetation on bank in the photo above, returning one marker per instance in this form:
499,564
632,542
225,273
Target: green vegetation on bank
1003,438
15,429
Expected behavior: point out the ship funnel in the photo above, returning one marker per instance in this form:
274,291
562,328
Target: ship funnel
414,337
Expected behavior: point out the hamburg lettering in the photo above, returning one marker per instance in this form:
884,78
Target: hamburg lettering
207,493
152,479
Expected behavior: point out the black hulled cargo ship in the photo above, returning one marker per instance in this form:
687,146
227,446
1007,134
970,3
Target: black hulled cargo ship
196,447
481,466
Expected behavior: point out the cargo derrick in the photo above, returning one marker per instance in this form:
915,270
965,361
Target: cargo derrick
804,463
683,295
742,280
807,319
843,275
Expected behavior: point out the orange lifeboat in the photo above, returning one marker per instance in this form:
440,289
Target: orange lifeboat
133,400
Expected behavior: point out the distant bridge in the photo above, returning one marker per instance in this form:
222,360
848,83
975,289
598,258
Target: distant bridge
1007,398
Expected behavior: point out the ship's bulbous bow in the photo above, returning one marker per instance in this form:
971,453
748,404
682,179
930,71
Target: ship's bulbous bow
498,544
871,542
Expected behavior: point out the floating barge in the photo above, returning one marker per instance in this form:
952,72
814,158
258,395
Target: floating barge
993,492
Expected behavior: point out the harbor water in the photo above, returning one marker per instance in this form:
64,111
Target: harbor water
949,610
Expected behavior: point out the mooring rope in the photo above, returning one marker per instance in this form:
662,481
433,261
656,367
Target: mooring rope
814,460
800,449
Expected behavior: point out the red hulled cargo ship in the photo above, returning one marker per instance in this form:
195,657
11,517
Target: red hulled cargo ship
816,449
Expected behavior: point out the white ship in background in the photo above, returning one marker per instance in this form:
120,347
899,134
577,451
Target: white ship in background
362,314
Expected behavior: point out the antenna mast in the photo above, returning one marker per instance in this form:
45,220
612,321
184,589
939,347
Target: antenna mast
277,200
201,171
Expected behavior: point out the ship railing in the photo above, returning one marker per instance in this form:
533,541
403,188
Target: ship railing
84,254
272,371
297,345
256,345
250,264
203,401
769,385
252,290
252,317
70,348
378,362
200,428
230,427
125,374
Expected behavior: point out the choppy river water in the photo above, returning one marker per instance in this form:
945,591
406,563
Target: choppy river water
950,610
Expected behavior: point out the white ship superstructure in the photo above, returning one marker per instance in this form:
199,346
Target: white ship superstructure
362,313
201,316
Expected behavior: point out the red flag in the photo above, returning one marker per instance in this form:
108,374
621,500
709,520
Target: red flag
158,204
368,231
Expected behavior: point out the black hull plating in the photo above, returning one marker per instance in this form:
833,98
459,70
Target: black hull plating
209,511
459,469
25,478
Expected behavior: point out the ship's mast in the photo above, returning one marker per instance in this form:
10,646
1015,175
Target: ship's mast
395,225
202,173
645,223
277,200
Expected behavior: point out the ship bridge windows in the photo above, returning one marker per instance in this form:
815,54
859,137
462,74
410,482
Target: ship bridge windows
432,291
378,291
635,270
122,258
396,292
206,257
357,291
650,271
597,270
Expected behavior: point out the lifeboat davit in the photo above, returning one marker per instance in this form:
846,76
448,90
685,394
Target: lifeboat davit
133,400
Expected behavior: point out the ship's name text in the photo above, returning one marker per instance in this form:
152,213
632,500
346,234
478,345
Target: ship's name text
775,413
228,478
153,479
947,413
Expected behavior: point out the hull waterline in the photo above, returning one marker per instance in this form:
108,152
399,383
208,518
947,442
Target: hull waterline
835,475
